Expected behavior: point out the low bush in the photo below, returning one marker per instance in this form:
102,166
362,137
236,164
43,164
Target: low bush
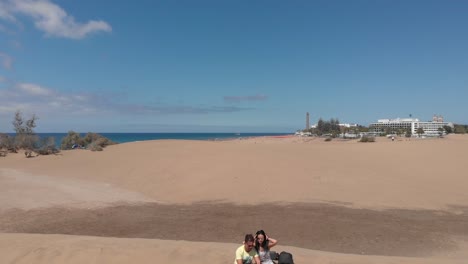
71,139
7,142
47,147
367,139
91,141
94,147
328,139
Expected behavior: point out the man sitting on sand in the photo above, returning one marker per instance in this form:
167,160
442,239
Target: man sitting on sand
246,253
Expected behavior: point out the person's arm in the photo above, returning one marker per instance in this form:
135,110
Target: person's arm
272,242
239,256
257,259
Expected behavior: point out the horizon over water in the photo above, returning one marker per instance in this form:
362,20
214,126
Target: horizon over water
133,137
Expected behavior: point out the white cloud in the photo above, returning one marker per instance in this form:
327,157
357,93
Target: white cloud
5,12
33,89
33,98
6,60
258,97
43,101
51,18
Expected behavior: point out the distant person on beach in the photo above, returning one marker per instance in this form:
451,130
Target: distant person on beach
246,253
263,244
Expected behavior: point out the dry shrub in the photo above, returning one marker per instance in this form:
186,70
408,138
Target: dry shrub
367,139
91,141
94,147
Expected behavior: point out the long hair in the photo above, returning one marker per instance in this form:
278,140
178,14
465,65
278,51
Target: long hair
265,242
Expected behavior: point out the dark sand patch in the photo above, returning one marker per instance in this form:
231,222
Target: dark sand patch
414,233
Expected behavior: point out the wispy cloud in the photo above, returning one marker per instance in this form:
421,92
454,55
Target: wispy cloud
33,89
5,11
41,100
6,61
51,18
178,109
237,99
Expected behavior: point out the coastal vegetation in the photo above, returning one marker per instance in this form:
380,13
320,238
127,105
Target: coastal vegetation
367,139
25,139
460,129
91,141
332,129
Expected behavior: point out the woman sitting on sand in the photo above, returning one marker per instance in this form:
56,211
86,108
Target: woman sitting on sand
263,244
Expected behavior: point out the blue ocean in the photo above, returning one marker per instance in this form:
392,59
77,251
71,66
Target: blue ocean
132,137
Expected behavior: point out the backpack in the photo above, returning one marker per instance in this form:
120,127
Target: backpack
274,255
285,258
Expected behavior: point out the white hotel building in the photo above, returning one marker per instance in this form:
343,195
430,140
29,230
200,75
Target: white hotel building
431,128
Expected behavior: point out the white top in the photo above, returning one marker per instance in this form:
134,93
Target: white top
265,257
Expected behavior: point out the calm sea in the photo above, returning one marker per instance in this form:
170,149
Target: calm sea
132,137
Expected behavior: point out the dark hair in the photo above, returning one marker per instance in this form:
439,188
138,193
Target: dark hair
249,238
265,242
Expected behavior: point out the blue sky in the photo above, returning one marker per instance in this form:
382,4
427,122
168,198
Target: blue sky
230,66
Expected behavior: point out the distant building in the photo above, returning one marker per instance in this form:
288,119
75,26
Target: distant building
341,125
431,128
307,121
348,125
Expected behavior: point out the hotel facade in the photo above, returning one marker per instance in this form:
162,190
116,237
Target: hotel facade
431,128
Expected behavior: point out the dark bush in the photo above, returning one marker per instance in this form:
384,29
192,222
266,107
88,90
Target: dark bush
97,139
7,142
328,139
367,139
91,141
94,147
47,147
70,140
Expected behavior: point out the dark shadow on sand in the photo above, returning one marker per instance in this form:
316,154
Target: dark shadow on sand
313,226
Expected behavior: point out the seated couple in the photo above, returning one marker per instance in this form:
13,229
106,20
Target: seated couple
255,249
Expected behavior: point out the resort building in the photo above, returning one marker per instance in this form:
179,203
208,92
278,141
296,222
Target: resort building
431,128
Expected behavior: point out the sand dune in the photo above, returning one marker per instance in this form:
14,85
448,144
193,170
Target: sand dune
51,249
377,202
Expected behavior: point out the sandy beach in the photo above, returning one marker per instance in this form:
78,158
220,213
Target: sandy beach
170,201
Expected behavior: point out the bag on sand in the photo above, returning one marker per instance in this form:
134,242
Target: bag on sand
274,255
285,258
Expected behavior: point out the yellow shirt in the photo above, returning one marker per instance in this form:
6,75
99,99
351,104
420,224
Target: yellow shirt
247,257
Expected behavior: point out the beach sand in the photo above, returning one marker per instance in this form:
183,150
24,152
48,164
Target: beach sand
193,201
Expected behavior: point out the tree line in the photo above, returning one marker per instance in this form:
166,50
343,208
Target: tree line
332,128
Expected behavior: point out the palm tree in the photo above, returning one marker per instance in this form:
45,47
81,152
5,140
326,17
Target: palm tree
420,131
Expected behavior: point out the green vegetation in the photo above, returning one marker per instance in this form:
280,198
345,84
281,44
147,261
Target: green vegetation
26,139
408,132
420,131
91,141
367,139
448,129
329,128
460,129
